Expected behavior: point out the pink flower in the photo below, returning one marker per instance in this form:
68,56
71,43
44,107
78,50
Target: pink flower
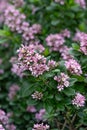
65,33
3,117
31,109
39,116
79,100
37,95
11,127
32,61
55,41
73,66
62,80
5,121
64,50
12,91
1,71
82,3
82,38
14,19
40,127
1,127
52,64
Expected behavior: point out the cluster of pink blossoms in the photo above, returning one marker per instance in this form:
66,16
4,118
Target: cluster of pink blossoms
39,116
40,127
4,122
63,81
29,59
55,41
36,46
16,22
82,3
82,38
32,61
3,5
65,33
79,100
13,18
31,109
64,51
1,127
12,91
37,95
73,66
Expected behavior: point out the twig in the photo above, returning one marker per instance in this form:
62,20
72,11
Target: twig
64,125
73,119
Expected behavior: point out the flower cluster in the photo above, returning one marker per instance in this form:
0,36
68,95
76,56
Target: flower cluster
64,51
3,5
82,3
65,33
31,109
40,127
37,95
79,100
14,19
36,46
12,91
32,61
52,64
16,22
3,117
82,38
29,32
63,81
4,120
1,127
39,116
55,41
73,66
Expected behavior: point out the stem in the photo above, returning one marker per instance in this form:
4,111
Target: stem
58,124
73,119
64,125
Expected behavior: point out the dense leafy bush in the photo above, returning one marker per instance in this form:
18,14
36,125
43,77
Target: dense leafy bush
43,65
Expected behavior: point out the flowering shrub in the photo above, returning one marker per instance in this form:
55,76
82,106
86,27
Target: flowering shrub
43,65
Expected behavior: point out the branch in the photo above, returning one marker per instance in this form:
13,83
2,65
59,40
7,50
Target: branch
64,125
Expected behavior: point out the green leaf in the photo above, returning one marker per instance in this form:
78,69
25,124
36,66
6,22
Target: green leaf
48,107
4,33
60,106
3,41
26,90
56,71
72,81
75,46
58,97
55,22
31,102
46,52
69,91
